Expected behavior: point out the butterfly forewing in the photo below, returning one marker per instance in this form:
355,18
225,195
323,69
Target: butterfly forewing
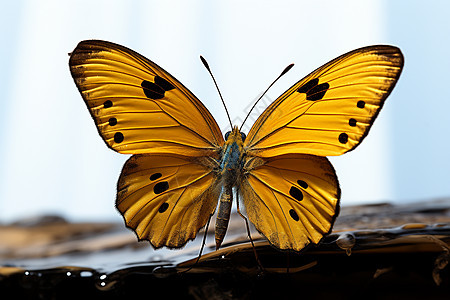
292,200
331,110
137,106
166,199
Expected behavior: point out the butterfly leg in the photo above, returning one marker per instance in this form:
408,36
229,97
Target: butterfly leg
248,231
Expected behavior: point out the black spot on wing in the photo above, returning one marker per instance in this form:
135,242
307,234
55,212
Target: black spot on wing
155,176
118,137
294,215
302,184
152,90
308,86
352,122
313,90
163,207
164,84
156,90
343,138
107,104
361,104
317,92
296,193
112,122
161,187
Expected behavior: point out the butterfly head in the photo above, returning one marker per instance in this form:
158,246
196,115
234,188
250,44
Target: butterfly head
235,134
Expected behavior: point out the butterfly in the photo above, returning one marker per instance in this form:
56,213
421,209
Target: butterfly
182,166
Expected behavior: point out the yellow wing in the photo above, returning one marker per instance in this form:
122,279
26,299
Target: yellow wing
330,111
292,199
167,199
137,106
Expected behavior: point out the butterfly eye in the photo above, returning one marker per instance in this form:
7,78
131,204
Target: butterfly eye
227,135
243,136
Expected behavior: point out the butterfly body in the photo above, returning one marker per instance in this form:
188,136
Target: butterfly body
182,166
231,168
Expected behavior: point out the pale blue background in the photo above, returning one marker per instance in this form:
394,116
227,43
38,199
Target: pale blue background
53,161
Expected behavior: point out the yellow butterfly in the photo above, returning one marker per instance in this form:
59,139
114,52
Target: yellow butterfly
182,165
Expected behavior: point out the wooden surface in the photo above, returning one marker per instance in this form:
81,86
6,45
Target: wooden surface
373,248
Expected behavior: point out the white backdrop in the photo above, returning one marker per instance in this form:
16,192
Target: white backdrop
53,161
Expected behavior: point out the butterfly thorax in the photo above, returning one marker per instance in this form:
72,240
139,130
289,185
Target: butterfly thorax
230,170
231,161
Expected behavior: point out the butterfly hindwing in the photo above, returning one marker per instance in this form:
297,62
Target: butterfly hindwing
137,106
292,200
331,110
167,199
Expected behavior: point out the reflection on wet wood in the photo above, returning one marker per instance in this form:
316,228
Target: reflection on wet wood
402,250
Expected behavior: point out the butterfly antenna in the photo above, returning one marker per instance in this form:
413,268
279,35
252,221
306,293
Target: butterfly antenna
217,87
282,73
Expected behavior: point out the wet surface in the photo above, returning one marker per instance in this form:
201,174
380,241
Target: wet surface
375,251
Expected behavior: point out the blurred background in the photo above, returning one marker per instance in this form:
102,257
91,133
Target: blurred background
54,162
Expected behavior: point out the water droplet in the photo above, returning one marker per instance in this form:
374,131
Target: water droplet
105,283
86,274
346,241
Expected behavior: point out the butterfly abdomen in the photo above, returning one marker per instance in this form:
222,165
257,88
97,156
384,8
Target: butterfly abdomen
223,215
